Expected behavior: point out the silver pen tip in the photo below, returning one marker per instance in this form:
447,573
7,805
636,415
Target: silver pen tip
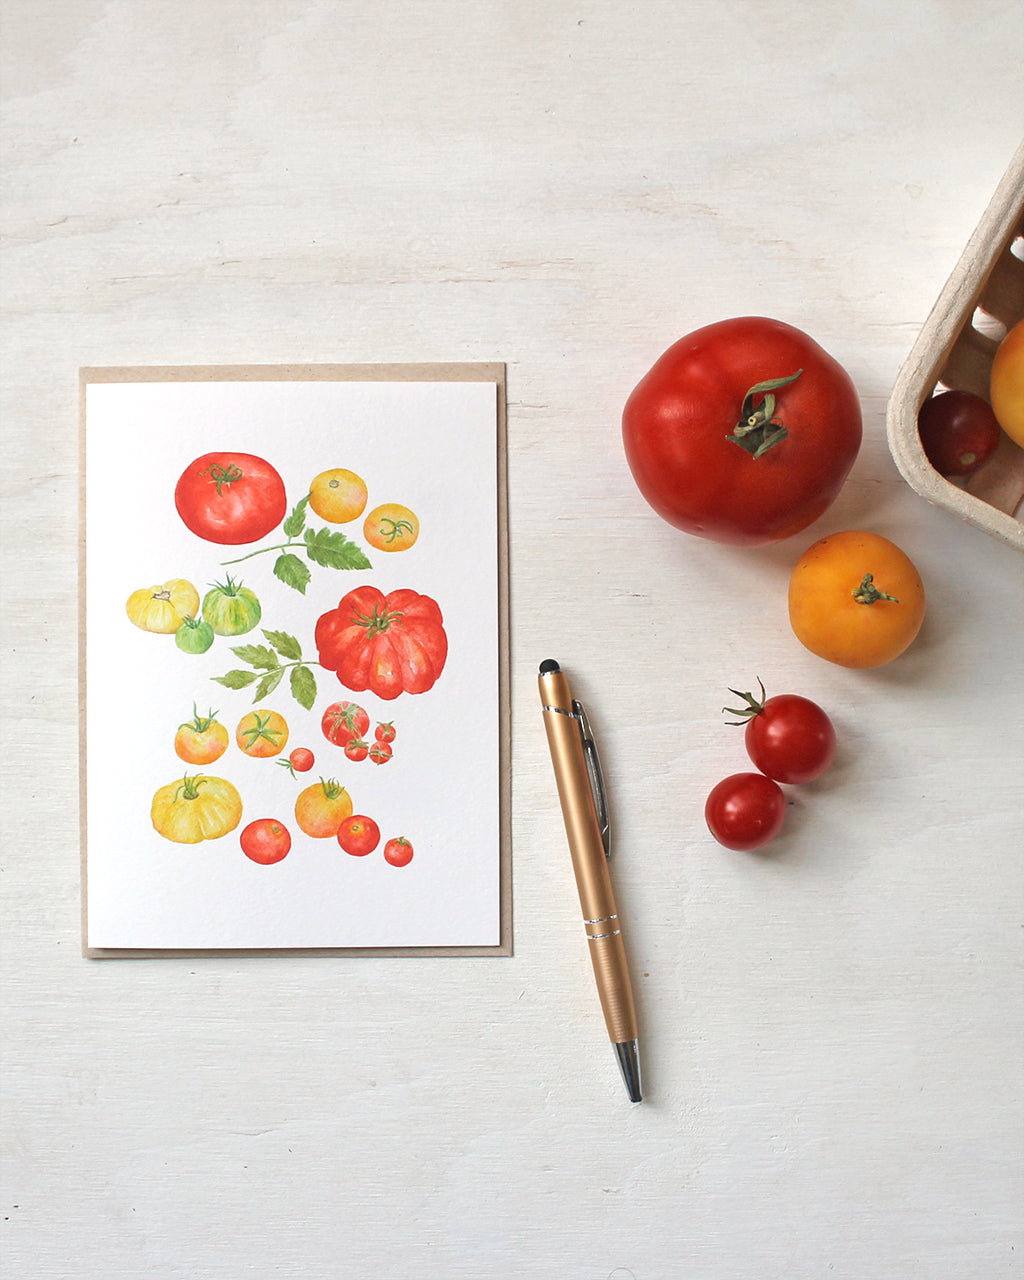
629,1065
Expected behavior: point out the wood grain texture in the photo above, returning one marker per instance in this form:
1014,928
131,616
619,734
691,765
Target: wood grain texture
832,1033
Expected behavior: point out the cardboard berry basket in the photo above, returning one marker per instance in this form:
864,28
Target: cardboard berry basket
983,298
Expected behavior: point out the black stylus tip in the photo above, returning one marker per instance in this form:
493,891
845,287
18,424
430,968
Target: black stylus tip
549,664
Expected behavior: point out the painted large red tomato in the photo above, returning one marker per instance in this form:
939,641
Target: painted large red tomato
230,498
742,432
389,644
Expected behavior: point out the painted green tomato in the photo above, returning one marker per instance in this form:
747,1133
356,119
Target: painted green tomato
194,636
231,609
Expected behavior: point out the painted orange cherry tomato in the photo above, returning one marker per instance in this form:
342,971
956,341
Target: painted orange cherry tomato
856,599
202,740
262,734
321,808
1006,387
391,527
338,495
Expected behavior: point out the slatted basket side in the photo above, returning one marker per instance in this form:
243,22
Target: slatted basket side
983,298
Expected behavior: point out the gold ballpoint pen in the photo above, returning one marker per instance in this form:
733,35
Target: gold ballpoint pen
581,793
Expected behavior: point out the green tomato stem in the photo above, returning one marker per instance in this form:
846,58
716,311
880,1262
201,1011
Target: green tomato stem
868,593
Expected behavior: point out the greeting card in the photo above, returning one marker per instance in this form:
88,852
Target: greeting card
294,719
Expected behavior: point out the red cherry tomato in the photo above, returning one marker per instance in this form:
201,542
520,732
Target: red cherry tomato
398,852
380,752
356,749
343,721
266,841
230,498
359,835
958,431
787,737
745,811
385,732
743,432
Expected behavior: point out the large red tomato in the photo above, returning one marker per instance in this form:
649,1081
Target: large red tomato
743,432
388,644
230,498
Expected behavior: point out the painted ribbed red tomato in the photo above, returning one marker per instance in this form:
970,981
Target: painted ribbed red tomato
387,644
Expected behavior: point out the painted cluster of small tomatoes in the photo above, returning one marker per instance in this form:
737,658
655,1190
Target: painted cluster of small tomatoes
173,608
205,808
789,740
346,725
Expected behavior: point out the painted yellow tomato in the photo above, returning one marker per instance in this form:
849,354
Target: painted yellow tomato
262,734
338,496
163,608
855,599
1006,386
202,740
391,527
195,808
322,808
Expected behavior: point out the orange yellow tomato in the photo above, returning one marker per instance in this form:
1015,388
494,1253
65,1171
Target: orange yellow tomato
321,808
1006,385
262,734
391,527
202,740
338,495
856,599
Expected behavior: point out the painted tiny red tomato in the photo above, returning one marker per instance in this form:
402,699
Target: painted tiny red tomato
343,721
380,752
266,841
359,835
398,852
958,431
356,749
745,811
230,498
385,732
787,737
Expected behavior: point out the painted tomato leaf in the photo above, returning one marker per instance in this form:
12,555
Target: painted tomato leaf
303,685
257,655
287,646
268,684
269,670
326,547
333,550
292,572
236,679
296,519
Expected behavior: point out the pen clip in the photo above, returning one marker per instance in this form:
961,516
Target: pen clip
596,776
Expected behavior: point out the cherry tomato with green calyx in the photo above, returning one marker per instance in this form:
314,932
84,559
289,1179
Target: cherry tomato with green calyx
789,738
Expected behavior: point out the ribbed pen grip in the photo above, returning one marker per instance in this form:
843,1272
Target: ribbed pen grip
608,957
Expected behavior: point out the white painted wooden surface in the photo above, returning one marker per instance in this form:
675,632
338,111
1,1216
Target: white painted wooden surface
833,1036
